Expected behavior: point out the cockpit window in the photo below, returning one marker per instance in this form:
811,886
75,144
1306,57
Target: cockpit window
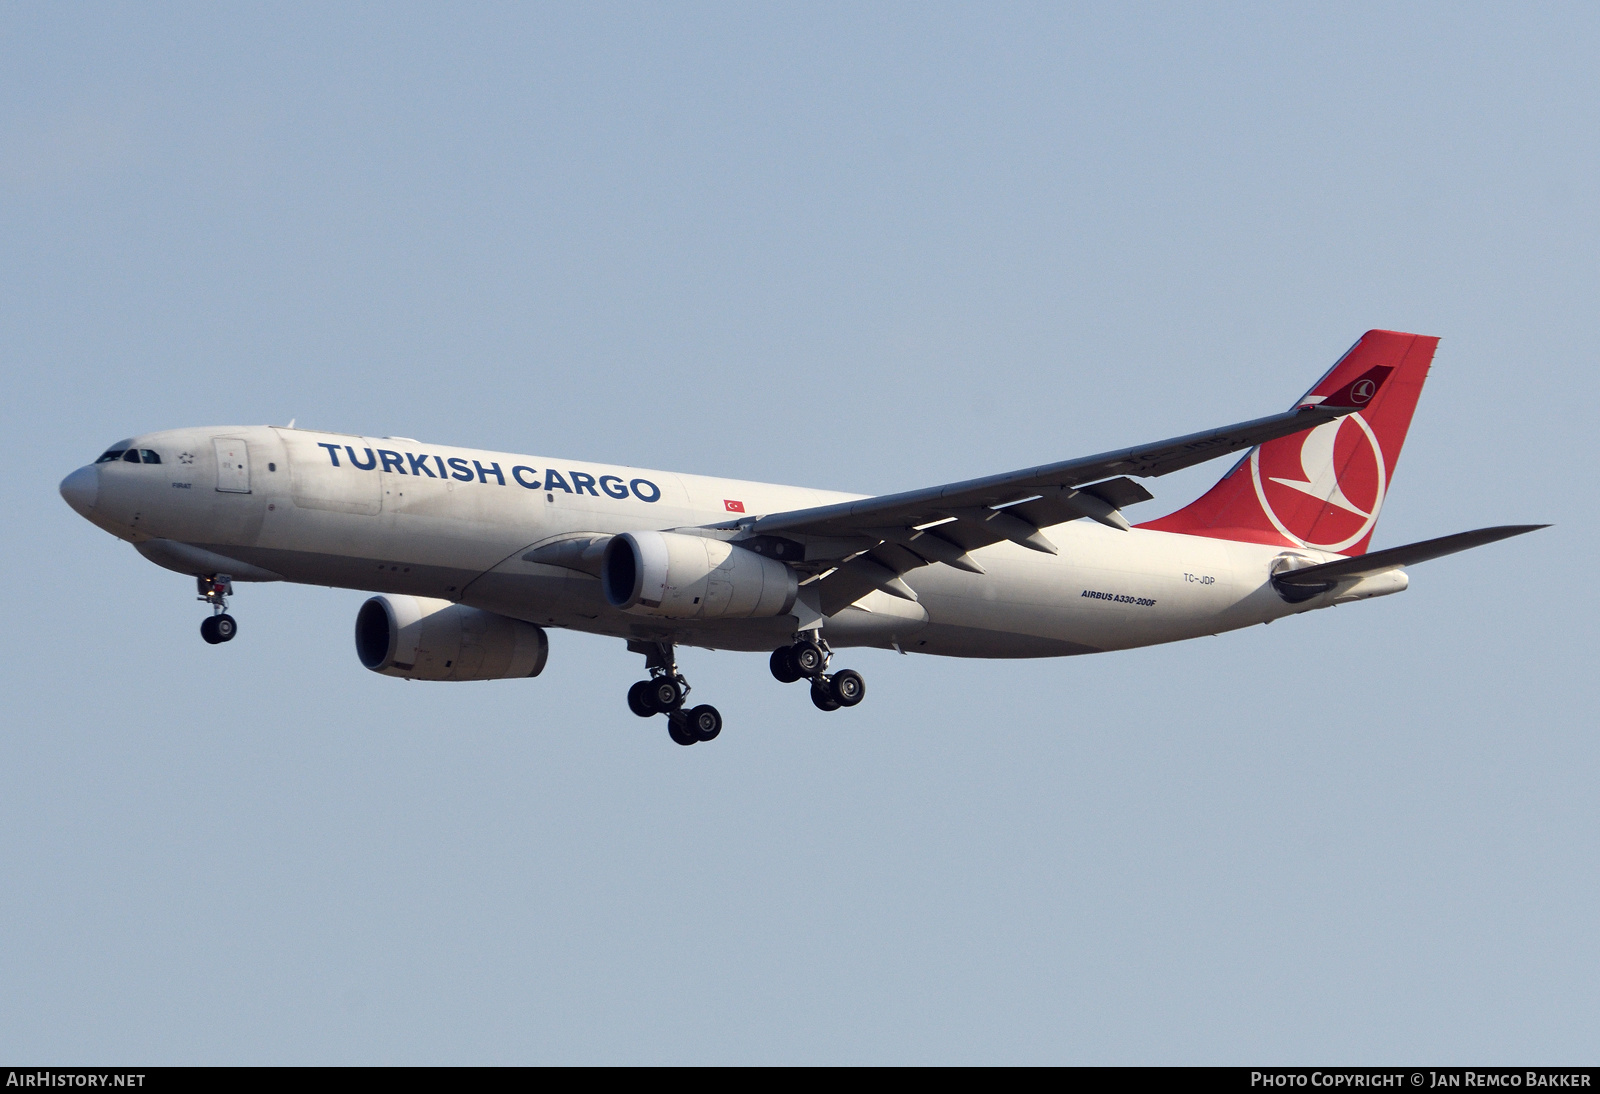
127,454
118,451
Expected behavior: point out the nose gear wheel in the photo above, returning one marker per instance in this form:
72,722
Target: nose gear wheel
218,628
215,590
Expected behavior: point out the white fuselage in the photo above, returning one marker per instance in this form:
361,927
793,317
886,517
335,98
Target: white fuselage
453,523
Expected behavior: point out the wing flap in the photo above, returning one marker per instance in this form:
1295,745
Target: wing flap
1119,493
930,546
855,579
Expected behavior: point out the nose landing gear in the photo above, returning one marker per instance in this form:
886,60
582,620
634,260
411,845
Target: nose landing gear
808,658
665,692
215,590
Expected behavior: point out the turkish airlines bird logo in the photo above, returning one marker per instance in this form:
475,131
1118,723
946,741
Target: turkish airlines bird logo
1323,488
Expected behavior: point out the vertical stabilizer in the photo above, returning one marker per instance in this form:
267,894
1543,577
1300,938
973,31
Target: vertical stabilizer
1323,488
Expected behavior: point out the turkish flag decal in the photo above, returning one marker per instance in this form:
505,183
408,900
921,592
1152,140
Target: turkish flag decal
733,506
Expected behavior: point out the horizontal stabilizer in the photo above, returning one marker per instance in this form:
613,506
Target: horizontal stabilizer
1379,561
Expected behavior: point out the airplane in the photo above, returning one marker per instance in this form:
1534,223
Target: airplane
473,554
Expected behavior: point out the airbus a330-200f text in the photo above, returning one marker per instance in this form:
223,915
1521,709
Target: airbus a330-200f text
474,554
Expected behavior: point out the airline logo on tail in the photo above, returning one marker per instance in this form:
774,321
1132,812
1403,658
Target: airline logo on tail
1322,488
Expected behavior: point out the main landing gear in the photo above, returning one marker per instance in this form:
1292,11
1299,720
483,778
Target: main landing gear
665,692
808,658
220,626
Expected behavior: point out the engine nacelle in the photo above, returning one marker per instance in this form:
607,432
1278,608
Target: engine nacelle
419,638
693,577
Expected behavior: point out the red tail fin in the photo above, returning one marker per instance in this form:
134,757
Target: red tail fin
1322,488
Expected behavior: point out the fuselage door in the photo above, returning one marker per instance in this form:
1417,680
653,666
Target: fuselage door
233,465
331,475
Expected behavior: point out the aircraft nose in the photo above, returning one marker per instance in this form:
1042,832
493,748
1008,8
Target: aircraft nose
81,489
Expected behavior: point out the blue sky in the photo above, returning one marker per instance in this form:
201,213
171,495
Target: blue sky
858,248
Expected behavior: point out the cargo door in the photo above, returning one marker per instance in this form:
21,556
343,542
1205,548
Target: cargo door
328,472
233,465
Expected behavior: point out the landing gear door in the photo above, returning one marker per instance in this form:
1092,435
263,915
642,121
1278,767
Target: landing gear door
233,465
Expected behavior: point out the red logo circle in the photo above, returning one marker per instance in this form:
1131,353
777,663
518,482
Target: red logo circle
1322,488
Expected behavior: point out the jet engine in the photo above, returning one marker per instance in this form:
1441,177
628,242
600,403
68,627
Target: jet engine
418,638
676,576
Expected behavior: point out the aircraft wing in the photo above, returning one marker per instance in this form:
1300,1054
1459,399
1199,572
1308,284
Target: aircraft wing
875,540
1378,561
